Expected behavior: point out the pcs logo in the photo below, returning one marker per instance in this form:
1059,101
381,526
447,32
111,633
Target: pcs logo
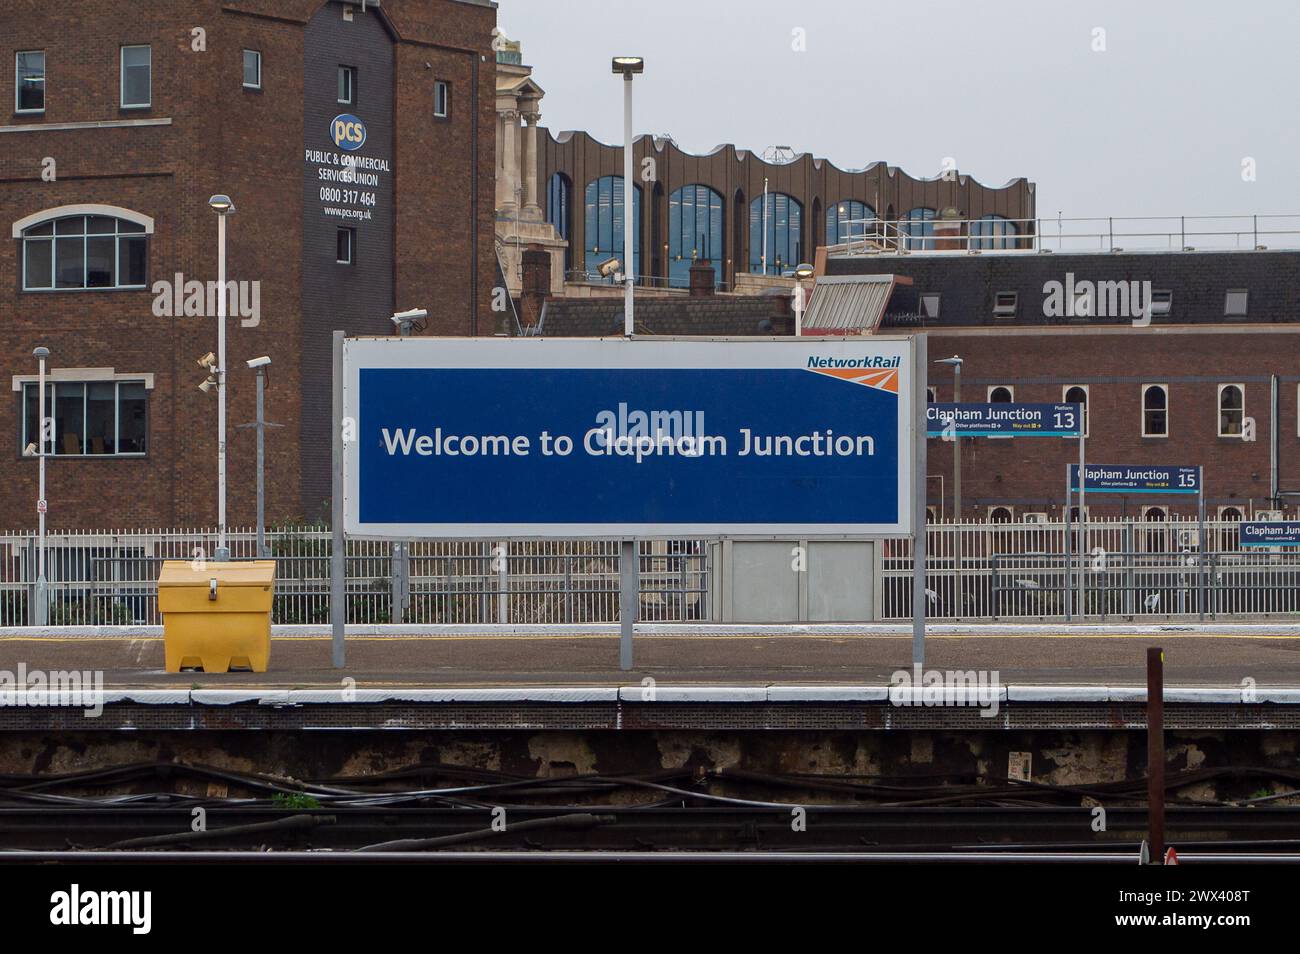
348,132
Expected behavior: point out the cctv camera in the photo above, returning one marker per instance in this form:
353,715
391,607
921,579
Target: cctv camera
261,362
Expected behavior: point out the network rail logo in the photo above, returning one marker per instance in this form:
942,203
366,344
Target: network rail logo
872,371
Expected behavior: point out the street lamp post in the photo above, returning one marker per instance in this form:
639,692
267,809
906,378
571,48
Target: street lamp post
41,611
628,66
801,275
224,207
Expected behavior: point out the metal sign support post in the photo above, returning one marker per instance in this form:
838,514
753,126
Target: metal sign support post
1069,548
1083,514
338,589
629,600
1200,544
920,367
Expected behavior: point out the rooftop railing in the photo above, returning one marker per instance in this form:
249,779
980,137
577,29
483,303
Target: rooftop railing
1111,234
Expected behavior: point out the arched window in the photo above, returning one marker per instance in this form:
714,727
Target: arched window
1229,535
604,221
1232,409
559,210
848,220
999,515
1155,411
993,231
558,199
1001,394
1078,394
695,232
84,247
918,227
783,215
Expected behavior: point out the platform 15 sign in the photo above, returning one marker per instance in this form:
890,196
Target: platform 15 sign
528,437
1137,479
1003,420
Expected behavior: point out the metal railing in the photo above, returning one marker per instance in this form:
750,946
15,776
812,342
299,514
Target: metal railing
974,571
1101,234
110,578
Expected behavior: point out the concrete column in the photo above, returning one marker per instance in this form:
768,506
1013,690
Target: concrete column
508,181
530,163
500,167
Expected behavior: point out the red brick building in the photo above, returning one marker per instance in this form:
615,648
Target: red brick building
357,141
1190,384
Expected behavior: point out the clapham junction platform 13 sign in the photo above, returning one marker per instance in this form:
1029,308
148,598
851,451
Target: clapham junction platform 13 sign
464,437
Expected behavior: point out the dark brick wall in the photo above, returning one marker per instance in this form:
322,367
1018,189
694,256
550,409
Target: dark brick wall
222,138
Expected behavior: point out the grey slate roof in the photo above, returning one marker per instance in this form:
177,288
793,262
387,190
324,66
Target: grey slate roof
969,284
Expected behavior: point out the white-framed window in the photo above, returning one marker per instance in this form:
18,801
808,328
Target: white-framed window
94,418
1232,409
1077,394
252,69
90,248
347,85
1154,513
1231,514
1236,303
137,77
1155,410
29,81
347,241
1001,514
1002,394
442,99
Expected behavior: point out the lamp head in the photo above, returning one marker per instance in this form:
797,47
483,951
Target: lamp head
628,66
804,272
222,204
41,353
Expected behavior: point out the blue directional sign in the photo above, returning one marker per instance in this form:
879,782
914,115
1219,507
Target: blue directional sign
1283,533
617,438
1137,479
1003,420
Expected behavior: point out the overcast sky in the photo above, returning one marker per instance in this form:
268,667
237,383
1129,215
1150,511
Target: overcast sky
1159,123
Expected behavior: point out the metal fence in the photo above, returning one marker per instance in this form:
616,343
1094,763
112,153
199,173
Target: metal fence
110,577
974,571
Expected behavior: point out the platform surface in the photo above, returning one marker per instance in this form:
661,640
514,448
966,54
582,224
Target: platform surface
1107,656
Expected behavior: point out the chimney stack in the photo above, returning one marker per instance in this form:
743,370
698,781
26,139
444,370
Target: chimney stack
703,279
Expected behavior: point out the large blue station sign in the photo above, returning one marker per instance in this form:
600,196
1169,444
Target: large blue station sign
1137,479
1280,533
474,437
1003,420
